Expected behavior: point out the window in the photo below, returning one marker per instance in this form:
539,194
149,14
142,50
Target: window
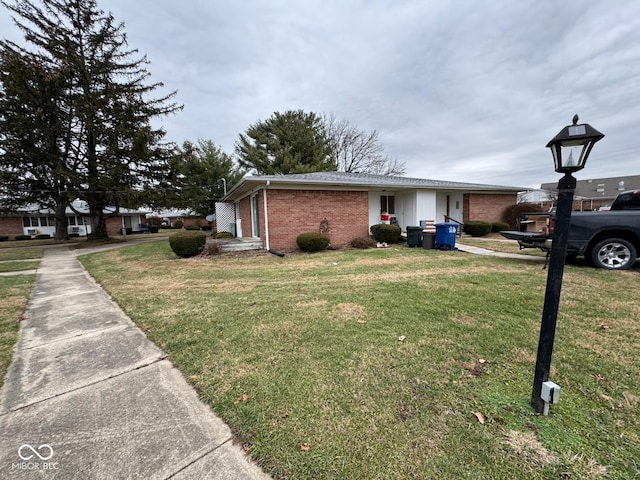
71,220
388,204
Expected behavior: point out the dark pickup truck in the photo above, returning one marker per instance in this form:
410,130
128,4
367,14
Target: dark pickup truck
608,239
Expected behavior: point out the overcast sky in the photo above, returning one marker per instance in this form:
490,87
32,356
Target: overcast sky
464,91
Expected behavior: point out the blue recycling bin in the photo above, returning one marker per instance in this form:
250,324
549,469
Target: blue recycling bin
446,235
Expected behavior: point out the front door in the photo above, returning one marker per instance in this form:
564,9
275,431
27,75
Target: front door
255,216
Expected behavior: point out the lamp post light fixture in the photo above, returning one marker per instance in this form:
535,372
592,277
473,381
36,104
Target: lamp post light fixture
570,148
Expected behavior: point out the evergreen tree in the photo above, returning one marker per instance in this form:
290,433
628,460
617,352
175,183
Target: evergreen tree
290,142
118,157
205,171
35,168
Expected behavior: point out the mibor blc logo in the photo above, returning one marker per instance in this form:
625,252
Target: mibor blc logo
35,458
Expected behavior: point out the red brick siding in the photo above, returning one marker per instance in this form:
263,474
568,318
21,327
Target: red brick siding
292,212
11,226
114,225
486,207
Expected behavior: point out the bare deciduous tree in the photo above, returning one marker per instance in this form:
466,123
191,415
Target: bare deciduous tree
358,151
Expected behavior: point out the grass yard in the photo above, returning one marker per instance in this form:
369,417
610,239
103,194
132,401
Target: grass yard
396,363
509,246
11,251
15,292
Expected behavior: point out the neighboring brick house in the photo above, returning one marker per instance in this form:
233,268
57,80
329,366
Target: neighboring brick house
594,193
277,208
33,221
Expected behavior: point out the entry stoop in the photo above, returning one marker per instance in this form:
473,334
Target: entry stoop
240,244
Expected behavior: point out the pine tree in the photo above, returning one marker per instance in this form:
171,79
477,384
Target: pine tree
290,142
119,159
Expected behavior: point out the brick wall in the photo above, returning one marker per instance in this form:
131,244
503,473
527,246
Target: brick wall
486,207
292,212
11,226
114,225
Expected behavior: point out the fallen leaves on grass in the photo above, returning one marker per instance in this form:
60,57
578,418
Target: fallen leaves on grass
481,418
304,447
244,397
527,446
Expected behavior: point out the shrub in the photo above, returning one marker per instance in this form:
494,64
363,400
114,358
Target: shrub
383,232
23,237
192,227
511,214
499,226
74,235
477,228
363,242
178,224
154,221
205,228
211,248
187,243
4,238
222,235
43,236
312,242
154,228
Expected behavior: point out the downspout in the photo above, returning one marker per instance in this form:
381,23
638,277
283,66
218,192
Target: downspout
266,215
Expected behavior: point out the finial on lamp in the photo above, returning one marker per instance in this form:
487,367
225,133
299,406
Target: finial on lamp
575,119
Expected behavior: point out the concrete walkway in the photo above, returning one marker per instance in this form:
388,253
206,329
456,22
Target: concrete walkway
483,251
89,396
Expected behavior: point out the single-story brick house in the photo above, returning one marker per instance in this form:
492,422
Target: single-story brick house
33,220
277,208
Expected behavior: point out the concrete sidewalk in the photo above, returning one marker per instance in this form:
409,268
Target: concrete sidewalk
89,396
483,251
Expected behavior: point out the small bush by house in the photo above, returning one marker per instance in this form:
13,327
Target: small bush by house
4,238
211,248
477,228
188,243
363,242
499,227
74,235
192,227
178,224
312,242
43,236
222,235
383,232
23,237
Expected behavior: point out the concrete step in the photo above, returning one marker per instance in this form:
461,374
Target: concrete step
240,244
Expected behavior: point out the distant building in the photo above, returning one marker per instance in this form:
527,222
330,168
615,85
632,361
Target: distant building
592,194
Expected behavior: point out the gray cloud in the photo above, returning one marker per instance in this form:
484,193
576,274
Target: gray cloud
465,90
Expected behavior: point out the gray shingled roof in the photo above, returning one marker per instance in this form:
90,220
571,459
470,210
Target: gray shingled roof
597,188
368,180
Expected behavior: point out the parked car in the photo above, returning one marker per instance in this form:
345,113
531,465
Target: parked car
609,239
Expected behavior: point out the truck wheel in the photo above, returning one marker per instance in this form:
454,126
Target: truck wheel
613,254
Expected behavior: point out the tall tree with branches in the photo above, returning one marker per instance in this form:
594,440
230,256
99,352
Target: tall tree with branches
206,171
289,142
118,158
358,151
34,138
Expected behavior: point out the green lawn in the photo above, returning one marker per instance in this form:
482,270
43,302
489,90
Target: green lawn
382,363
497,245
15,252
15,292
17,266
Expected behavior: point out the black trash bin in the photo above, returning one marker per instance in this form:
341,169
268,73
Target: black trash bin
413,236
428,240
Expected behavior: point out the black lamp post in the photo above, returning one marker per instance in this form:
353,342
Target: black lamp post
570,149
